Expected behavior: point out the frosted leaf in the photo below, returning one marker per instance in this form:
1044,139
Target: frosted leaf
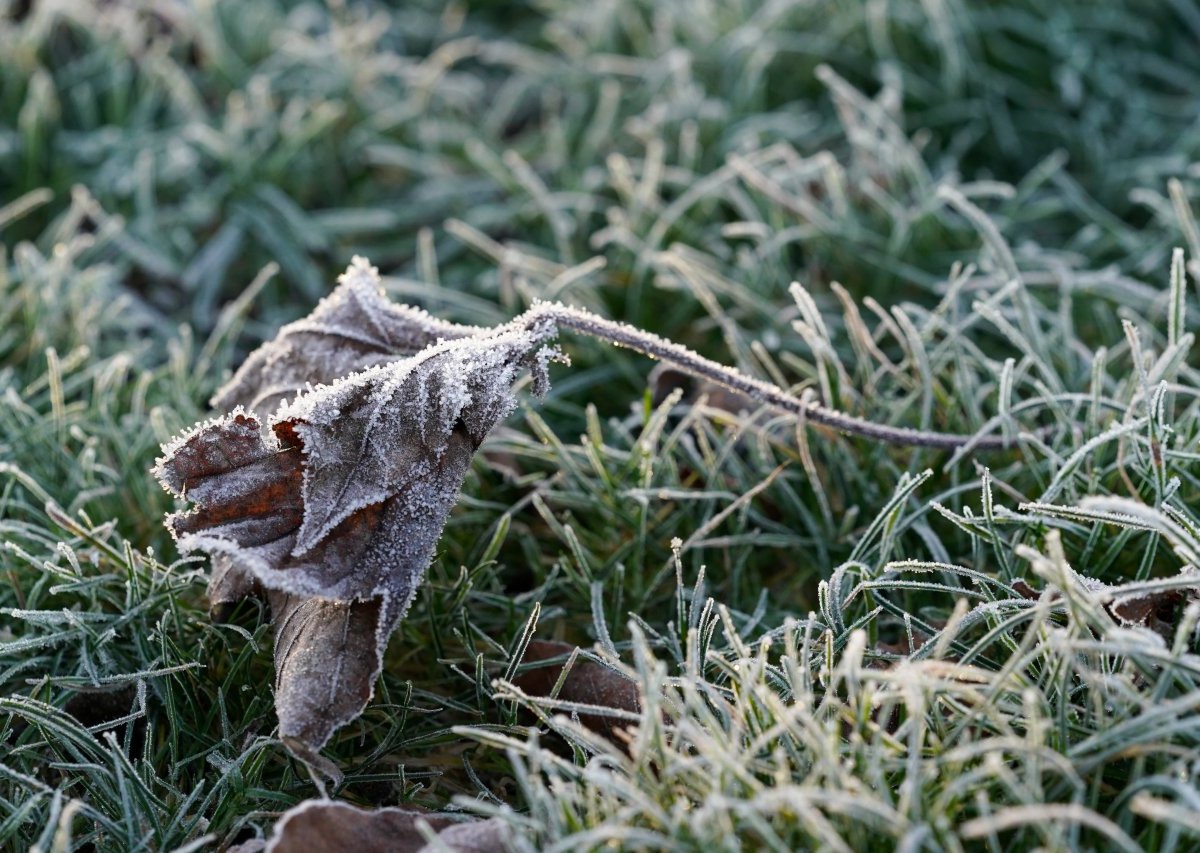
228,583
336,508
1157,605
353,328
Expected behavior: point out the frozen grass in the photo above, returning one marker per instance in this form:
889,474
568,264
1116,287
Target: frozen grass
998,190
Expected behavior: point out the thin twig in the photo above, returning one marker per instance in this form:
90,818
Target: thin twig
647,343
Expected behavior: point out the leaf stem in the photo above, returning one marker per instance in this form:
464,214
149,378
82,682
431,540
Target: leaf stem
647,343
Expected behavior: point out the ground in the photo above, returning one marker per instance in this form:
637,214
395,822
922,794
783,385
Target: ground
838,643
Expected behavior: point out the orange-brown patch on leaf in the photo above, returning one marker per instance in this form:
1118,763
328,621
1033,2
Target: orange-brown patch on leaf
285,431
275,496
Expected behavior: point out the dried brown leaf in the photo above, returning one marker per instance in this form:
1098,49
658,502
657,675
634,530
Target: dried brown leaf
1158,610
900,648
337,507
326,826
1135,606
327,657
1023,589
587,683
228,583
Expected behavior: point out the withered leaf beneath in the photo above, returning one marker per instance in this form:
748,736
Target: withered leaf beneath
587,683
1157,605
325,666
317,826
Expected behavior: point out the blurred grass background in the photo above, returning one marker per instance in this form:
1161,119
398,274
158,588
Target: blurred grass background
981,202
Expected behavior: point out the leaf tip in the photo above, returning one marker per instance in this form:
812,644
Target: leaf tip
360,271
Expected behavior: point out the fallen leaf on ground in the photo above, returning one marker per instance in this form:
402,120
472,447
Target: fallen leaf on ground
327,826
1159,610
337,505
902,647
327,657
1023,589
1156,605
587,683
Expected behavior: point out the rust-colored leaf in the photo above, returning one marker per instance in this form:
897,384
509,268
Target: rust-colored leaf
1158,610
587,683
326,826
1139,604
1023,589
902,647
353,328
327,657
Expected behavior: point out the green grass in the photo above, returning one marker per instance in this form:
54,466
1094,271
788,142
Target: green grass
981,201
